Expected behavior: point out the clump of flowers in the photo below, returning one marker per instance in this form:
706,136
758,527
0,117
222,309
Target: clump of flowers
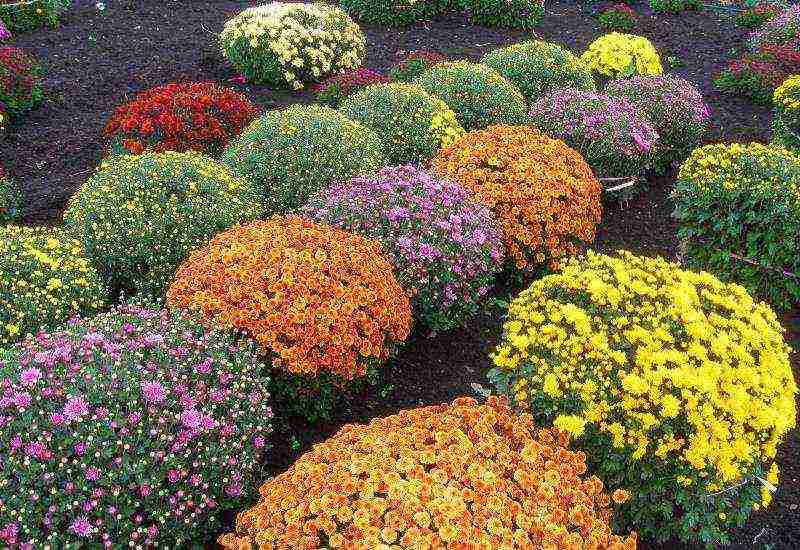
322,303
514,14
412,123
545,197
617,17
197,116
612,135
674,108
10,199
759,13
445,249
677,386
414,64
675,6
780,31
20,80
27,15
290,44
617,55
394,13
392,482
738,209
135,427
786,109
334,89
478,95
757,74
45,278
139,216
291,153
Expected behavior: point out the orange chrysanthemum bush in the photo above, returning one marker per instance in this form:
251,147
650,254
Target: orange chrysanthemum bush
321,302
435,477
543,193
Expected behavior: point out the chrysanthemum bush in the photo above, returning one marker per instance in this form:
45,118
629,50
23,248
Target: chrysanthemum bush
394,13
612,135
412,123
545,197
617,17
759,13
757,74
738,209
514,14
617,55
135,428
322,303
290,44
334,89
139,216
414,64
780,31
674,108
677,386
197,116
538,68
478,95
291,153
22,15
10,198
445,249
786,114
675,6
20,80
434,477
45,277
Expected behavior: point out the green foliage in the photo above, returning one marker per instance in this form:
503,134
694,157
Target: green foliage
414,64
513,14
10,199
20,80
675,6
394,13
24,16
617,18
315,397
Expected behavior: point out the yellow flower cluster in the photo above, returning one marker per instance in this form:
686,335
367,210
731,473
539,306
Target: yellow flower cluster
44,279
444,124
290,44
786,97
622,55
671,365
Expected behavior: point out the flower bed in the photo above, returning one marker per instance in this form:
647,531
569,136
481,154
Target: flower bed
20,80
617,55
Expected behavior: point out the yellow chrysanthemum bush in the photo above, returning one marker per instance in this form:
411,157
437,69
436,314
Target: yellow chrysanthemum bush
435,477
786,114
677,386
617,55
45,278
290,44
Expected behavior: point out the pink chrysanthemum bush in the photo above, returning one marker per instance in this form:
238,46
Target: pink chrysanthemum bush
134,428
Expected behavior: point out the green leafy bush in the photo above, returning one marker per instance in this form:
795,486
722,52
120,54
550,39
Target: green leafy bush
20,81
675,6
394,13
477,94
21,15
513,14
10,199
617,17
414,64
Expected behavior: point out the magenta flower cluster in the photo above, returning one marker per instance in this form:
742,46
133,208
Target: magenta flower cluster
446,249
611,134
135,428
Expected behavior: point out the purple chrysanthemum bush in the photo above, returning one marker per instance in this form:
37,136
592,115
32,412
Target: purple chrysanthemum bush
133,428
446,249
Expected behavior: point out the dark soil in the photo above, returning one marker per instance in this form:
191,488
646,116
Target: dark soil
97,60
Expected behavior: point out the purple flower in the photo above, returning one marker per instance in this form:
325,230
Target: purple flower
153,392
81,526
75,408
92,473
30,377
192,419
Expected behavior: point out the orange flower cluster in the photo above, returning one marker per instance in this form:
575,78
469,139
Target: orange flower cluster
543,193
463,476
318,298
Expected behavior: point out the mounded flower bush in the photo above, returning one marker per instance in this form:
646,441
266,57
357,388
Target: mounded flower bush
20,80
10,199
394,13
477,94
20,15
45,278
780,31
488,476
197,116
543,194
738,210
618,55
334,89
675,6
786,114
132,428
322,303
414,64
291,44
139,216
674,108
617,17
514,14
412,123
445,249
291,153
613,136
677,386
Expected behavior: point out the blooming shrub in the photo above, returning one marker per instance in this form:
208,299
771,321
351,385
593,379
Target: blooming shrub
674,108
445,249
786,120
414,64
675,6
412,123
10,199
780,31
677,386
538,68
738,208
322,303
291,153
394,13
759,13
19,15
514,14
756,75
20,80
289,44
335,88
617,17
617,55
131,428
197,116
45,278
543,194
611,134
392,483
139,216
4,32
478,95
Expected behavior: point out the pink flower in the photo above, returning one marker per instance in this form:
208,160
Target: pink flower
192,419
259,442
81,526
30,376
154,392
238,79
75,408
92,473
22,399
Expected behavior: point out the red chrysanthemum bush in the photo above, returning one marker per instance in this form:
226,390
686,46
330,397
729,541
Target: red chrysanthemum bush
197,116
436,477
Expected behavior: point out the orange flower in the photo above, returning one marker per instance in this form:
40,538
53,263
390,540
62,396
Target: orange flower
620,496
